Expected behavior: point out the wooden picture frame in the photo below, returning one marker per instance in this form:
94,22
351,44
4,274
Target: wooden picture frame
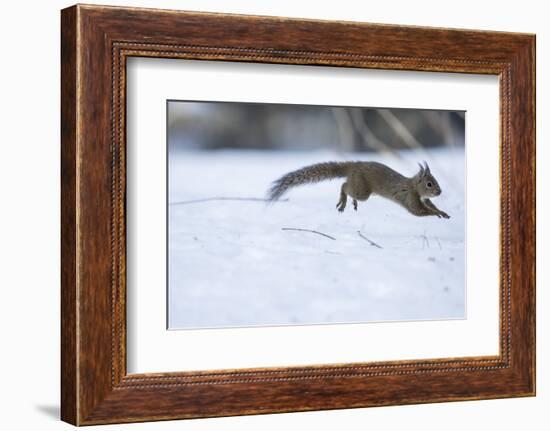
95,43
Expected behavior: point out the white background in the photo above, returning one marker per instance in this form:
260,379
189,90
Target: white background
29,219
152,349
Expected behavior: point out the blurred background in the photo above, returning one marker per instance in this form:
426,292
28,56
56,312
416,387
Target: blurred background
219,125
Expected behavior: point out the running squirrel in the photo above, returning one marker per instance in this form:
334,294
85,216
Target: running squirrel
366,178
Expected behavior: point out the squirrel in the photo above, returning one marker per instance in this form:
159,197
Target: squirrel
366,178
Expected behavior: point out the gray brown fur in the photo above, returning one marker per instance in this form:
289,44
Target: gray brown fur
364,179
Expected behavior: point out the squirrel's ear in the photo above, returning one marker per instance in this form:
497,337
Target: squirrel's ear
421,169
427,168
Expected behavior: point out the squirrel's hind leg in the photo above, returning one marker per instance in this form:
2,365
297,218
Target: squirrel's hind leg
341,205
362,195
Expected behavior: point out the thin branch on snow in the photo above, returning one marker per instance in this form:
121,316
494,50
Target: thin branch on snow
310,231
425,241
438,243
197,201
368,240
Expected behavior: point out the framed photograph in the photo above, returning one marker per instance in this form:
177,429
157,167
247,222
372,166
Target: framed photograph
265,214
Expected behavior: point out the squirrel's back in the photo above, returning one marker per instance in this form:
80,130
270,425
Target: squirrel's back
379,178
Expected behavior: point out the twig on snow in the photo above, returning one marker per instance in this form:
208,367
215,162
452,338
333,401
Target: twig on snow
438,243
368,240
310,231
425,241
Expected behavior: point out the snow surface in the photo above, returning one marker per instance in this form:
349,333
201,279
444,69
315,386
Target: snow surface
231,264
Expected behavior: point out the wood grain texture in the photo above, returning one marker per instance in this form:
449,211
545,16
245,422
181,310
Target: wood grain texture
96,41
68,218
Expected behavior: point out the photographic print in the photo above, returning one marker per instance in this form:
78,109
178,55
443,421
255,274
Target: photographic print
283,214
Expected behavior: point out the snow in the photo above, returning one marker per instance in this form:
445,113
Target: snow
232,265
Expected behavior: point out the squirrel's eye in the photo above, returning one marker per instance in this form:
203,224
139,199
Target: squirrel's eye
429,184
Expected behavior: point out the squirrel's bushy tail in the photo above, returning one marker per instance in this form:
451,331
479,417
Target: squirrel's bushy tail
307,175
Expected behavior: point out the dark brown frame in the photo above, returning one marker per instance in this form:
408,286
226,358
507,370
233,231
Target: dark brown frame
95,43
